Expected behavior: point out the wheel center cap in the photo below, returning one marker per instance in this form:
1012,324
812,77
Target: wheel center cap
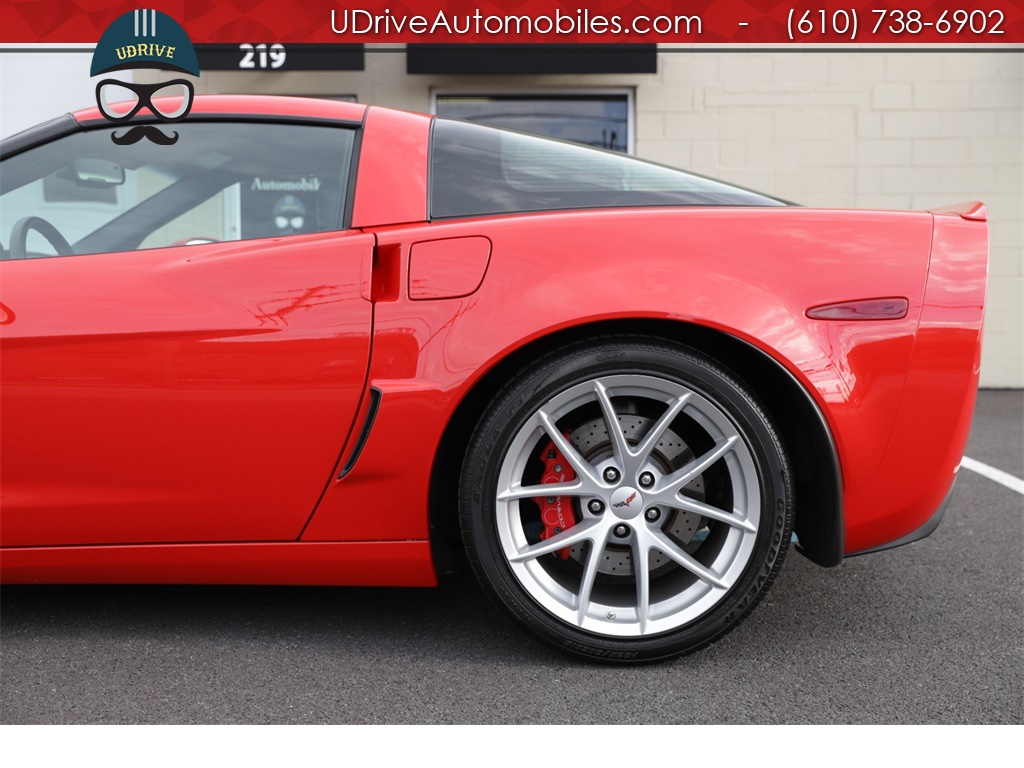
627,503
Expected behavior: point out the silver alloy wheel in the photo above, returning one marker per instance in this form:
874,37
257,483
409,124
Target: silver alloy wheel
705,569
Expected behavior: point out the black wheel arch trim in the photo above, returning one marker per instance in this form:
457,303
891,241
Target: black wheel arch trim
821,536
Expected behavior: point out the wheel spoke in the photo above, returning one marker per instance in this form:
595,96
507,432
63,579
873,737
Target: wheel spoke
574,488
619,445
578,533
672,550
571,455
642,574
680,478
597,546
714,513
655,433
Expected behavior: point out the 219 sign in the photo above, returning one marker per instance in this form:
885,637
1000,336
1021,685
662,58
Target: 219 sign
262,56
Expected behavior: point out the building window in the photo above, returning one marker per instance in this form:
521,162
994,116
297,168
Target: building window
601,119
330,97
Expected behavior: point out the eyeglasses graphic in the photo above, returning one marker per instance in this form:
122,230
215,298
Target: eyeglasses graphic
119,101
296,222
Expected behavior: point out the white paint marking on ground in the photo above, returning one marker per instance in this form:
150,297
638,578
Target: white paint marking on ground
1003,478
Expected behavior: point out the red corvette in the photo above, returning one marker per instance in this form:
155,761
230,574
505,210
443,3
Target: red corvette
314,342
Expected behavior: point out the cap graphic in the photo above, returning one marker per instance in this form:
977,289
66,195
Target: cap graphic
144,39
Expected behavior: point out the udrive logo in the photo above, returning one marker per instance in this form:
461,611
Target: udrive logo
144,39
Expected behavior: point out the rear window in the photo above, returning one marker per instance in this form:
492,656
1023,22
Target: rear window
477,170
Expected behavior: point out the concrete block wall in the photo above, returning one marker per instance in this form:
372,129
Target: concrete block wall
863,130
838,129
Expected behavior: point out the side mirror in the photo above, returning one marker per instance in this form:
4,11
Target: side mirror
93,172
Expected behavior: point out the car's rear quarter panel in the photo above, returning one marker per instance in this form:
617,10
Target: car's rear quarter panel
749,272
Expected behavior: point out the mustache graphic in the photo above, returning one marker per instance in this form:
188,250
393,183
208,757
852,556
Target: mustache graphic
140,132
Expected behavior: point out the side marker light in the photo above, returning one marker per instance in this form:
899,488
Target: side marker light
862,309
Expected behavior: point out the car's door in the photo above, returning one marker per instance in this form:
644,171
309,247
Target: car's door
191,372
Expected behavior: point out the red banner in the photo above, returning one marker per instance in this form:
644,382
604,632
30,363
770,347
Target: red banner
888,22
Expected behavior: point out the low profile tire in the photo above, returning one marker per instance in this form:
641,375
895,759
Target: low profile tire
626,500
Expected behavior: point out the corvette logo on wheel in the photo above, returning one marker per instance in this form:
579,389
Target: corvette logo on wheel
625,503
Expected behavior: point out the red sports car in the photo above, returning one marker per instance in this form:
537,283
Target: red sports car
314,342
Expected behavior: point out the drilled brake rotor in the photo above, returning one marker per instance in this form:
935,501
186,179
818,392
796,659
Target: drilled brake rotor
592,441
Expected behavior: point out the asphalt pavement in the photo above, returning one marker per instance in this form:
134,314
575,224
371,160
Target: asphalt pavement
928,633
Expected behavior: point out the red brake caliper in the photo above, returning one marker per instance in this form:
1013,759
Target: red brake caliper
555,511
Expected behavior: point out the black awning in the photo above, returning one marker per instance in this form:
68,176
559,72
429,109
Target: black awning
527,59
297,57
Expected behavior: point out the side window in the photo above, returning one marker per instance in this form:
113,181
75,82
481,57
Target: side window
477,170
219,181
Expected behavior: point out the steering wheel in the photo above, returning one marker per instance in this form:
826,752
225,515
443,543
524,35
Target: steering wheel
201,240
19,237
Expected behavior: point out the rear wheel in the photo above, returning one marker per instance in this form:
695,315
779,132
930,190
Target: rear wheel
626,500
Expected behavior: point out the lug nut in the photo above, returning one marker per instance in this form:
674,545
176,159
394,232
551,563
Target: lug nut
653,514
596,507
646,479
621,531
611,474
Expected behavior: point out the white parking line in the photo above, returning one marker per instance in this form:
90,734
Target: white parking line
1003,478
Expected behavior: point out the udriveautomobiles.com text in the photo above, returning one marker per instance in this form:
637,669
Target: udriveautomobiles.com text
361,22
